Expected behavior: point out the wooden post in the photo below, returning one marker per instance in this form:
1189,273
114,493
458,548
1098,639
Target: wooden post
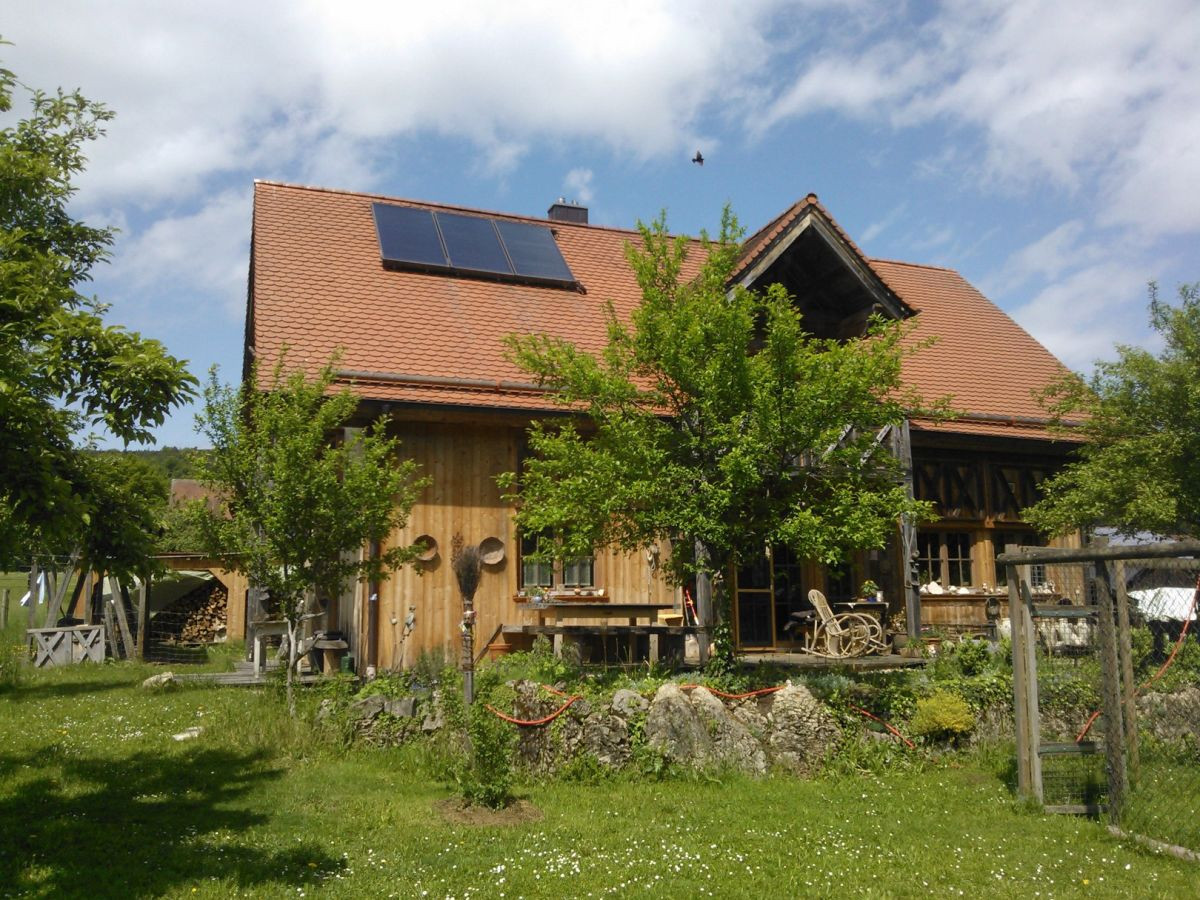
4,611
910,581
1110,685
1128,686
1025,692
143,617
54,607
110,630
704,599
33,592
118,603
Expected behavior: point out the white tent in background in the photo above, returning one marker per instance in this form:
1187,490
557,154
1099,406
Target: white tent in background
1164,604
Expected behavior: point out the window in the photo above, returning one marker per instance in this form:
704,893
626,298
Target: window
944,557
578,572
1037,574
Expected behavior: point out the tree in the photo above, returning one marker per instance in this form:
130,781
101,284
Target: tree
715,421
61,367
296,505
1139,415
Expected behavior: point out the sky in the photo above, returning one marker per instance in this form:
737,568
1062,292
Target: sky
1050,152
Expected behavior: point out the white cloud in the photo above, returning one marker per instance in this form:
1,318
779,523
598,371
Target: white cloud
1082,316
203,252
578,184
1068,94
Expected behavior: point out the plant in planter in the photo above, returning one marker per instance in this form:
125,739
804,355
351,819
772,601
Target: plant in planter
870,591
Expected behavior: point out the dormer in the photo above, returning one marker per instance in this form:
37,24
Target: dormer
832,283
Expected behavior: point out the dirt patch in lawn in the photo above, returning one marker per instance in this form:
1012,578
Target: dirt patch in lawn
453,810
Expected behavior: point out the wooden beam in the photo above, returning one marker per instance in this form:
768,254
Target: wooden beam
33,585
118,603
910,578
1128,685
143,617
1110,689
4,611
1025,693
1101,554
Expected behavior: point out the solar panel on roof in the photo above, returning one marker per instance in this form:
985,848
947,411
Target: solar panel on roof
408,235
472,243
469,245
533,252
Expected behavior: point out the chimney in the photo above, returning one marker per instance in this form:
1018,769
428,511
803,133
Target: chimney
563,211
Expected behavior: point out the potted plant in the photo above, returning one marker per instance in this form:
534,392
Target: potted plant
870,591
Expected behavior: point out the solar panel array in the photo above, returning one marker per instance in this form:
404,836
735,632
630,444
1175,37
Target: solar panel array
411,238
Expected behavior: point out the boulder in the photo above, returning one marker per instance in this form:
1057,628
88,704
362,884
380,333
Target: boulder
401,707
367,708
733,744
673,728
627,703
160,681
800,732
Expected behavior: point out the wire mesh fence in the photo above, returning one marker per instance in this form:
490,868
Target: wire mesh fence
1108,701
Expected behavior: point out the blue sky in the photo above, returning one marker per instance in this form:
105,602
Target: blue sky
1048,151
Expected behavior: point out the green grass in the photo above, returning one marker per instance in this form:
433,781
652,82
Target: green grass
96,799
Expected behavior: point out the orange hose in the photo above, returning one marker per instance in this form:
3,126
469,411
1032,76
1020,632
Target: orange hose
892,729
531,723
1161,669
761,691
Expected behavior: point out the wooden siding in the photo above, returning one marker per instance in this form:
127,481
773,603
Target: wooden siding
462,460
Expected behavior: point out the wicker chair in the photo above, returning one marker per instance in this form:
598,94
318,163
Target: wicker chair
842,636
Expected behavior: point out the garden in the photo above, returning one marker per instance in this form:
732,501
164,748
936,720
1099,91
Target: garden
110,788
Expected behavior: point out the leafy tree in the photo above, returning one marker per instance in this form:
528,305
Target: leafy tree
295,505
1140,417
715,421
61,367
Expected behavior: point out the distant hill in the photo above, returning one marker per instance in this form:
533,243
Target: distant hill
171,462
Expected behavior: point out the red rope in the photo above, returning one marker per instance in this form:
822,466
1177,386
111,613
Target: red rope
1161,669
531,723
712,690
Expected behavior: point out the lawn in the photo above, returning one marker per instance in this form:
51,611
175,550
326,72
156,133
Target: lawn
96,799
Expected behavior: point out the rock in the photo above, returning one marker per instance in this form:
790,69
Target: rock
434,720
627,703
161,680
733,743
401,707
326,709
188,734
800,732
606,737
674,730
367,708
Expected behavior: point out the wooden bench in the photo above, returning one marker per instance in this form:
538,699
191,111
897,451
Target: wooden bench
63,646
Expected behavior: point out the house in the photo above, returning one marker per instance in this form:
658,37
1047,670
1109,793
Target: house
417,296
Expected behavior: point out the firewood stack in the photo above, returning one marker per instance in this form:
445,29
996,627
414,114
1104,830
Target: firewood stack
198,617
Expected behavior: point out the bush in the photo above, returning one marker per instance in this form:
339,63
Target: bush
943,716
487,776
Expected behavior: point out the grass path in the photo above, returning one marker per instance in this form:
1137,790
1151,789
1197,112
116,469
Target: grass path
97,800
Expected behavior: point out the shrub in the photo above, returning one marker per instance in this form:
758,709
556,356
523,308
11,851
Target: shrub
487,776
943,716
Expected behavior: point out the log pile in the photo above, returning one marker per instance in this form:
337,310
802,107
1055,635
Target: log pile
198,617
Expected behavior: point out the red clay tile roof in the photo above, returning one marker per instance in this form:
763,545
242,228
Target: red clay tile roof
318,285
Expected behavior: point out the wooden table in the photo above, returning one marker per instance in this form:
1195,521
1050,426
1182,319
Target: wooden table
610,613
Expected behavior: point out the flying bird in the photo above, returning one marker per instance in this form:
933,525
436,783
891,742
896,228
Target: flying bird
698,159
